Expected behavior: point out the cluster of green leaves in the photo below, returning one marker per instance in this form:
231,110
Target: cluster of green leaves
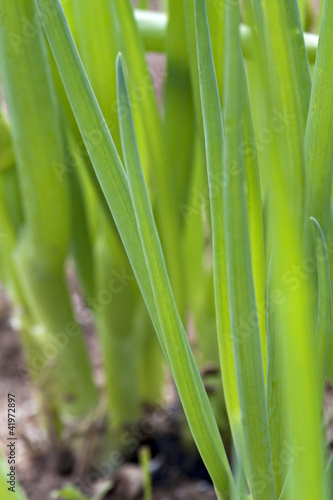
251,262
53,206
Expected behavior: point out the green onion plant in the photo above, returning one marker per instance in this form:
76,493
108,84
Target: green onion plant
215,212
42,237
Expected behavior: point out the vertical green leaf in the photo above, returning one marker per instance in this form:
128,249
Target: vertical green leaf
43,242
178,101
103,155
300,57
255,215
324,316
6,147
318,140
293,364
153,28
285,99
151,142
97,43
212,119
329,478
190,387
242,302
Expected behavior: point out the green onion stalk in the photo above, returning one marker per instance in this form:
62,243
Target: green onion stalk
126,334
213,130
187,166
268,213
248,354
152,144
318,147
42,242
153,29
292,325
164,315
10,223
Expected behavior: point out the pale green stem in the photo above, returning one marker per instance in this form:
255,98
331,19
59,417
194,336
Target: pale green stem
153,28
